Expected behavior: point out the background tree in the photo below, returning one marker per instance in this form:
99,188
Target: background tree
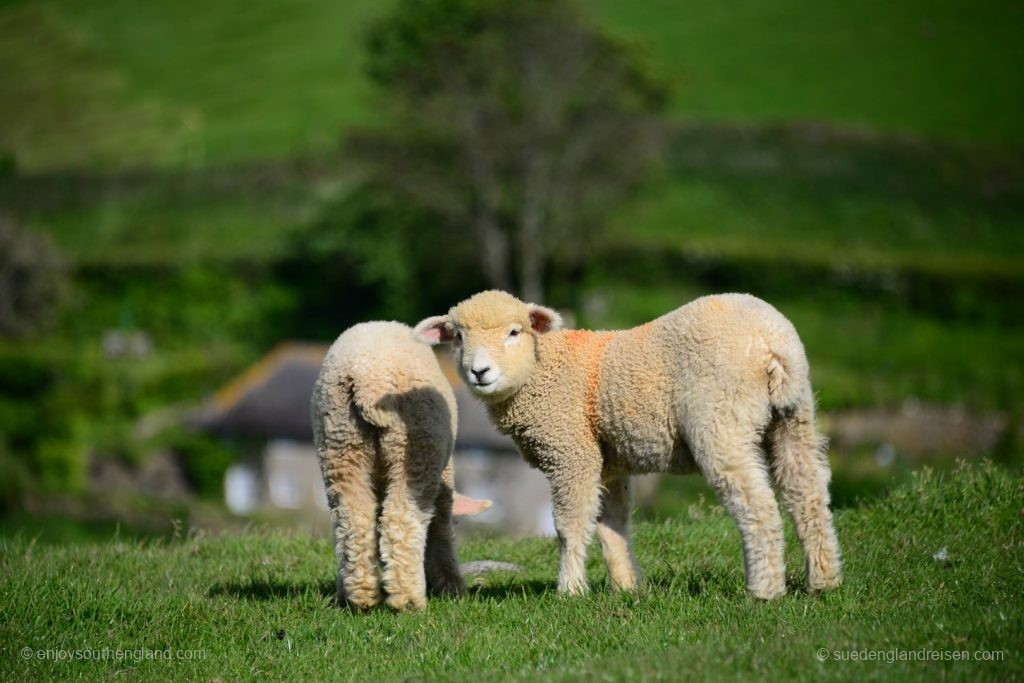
517,121
33,279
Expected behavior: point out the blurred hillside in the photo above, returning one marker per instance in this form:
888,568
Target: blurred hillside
115,83
859,166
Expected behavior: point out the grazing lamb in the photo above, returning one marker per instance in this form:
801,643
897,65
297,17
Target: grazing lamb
720,385
384,422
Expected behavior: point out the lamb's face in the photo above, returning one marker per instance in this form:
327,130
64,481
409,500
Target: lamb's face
494,340
496,362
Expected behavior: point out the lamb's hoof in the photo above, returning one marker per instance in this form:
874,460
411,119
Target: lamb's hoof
406,603
359,604
575,589
449,587
819,585
768,593
627,584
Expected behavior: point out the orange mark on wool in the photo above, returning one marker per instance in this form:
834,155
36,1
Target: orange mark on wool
577,339
592,344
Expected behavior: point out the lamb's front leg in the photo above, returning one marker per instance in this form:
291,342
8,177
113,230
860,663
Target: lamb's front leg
614,533
575,495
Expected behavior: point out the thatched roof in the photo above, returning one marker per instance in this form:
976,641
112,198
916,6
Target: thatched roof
271,400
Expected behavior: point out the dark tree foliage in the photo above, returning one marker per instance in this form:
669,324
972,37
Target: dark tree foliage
515,121
374,254
33,279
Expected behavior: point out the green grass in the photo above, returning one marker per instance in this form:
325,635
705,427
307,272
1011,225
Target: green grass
807,194
116,82
178,84
259,605
947,69
56,530
156,231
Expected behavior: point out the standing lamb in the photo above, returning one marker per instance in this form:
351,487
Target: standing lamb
720,384
384,421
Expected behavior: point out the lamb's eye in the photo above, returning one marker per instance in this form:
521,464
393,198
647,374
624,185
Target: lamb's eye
513,333
458,337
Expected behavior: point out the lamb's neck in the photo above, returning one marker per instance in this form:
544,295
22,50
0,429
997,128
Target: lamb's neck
511,415
530,404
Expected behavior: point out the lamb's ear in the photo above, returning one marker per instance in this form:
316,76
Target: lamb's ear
434,330
543,319
464,505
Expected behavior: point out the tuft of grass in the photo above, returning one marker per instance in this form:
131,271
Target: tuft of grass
260,605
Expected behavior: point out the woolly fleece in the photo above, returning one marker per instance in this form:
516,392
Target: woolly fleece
720,385
384,421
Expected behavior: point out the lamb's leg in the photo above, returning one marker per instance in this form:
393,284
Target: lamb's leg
800,471
353,505
575,498
442,564
736,469
614,532
405,516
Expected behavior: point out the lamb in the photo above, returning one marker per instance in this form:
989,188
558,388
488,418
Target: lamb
721,385
384,420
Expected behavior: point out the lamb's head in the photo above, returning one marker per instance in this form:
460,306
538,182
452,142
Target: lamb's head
494,339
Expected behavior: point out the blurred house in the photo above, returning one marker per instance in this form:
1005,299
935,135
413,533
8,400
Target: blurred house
268,404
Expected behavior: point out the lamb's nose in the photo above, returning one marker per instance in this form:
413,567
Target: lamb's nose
479,374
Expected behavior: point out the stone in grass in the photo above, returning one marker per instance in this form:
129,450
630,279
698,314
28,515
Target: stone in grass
487,566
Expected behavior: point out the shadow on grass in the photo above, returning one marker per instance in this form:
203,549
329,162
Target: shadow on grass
271,590
718,581
695,582
514,589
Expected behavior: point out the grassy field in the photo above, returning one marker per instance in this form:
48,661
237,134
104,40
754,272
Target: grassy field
188,83
913,66
810,194
180,84
260,606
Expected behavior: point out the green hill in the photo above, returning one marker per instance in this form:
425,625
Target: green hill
116,83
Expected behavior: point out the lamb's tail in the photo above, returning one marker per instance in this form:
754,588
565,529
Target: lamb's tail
789,387
373,404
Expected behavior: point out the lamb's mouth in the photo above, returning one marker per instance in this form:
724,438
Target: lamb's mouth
483,385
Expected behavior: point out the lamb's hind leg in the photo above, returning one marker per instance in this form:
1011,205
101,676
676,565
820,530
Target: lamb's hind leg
614,532
353,504
405,517
801,473
441,563
737,471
